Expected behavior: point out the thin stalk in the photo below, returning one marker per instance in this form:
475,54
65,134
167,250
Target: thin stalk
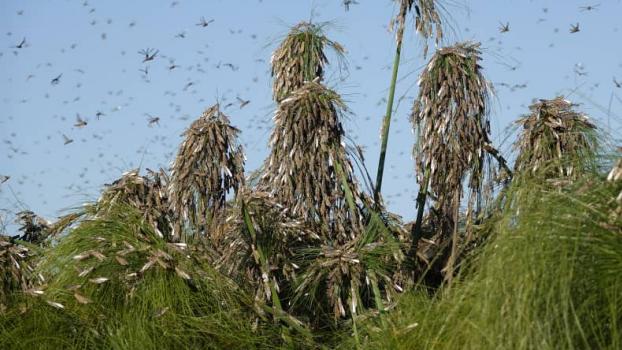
502,162
421,198
378,298
287,319
450,267
263,262
276,302
386,123
356,333
346,188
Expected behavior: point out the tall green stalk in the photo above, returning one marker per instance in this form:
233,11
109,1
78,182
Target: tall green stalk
386,123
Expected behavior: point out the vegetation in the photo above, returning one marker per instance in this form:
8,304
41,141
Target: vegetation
545,279
300,256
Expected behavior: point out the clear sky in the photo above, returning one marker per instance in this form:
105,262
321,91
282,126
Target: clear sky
95,44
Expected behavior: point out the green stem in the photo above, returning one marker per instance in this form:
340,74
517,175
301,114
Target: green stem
386,123
276,302
416,230
346,188
356,333
263,262
378,298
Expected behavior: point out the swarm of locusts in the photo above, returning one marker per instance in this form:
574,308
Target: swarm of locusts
299,243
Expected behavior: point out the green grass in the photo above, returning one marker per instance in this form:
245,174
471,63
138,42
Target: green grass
549,278
546,277
208,311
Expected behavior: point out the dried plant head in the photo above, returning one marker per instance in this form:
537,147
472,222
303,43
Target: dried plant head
555,140
451,120
65,222
276,237
16,269
34,228
301,57
616,172
342,280
209,164
302,171
428,21
148,194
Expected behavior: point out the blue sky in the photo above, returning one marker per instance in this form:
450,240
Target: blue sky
95,48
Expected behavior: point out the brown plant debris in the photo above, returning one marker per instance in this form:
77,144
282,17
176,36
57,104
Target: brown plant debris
615,175
266,255
208,165
300,57
35,228
450,117
302,170
16,270
427,20
148,194
555,139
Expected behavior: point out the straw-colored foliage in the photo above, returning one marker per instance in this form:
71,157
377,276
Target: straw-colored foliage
428,21
308,170
263,257
147,194
34,228
209,164
348,279
615,175
300,57
450,117
555,140
16,269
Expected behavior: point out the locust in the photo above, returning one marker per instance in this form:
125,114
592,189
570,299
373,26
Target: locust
204,23
66,140
148,54
574,28
504,28
80,123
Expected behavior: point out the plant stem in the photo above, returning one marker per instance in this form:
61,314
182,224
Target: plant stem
421,197
502,162
356,333
346,189
263,262
378,298
276,302
386,123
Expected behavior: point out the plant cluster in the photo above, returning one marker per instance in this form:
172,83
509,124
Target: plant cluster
300,255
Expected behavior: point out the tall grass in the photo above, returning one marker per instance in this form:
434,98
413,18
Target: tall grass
427,21
158,295
547,279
